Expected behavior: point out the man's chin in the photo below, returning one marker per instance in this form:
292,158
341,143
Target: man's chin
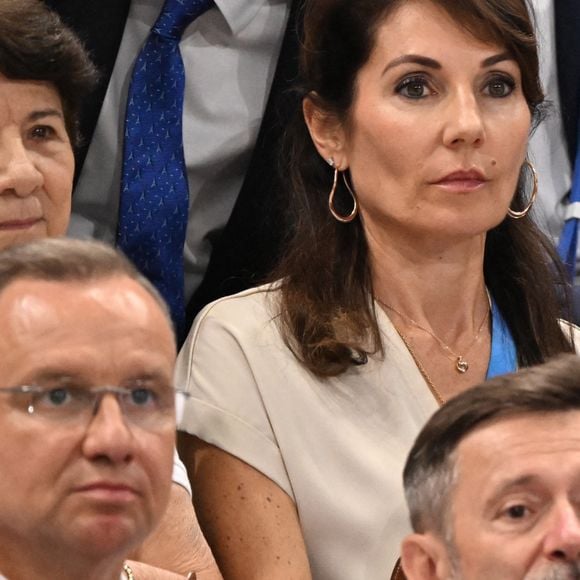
107,534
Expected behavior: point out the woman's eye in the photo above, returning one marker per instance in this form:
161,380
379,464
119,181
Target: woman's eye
499,87
42,132
414,88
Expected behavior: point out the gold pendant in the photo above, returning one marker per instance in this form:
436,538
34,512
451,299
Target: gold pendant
461,365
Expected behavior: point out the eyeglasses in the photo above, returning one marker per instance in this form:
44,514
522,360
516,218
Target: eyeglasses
142,406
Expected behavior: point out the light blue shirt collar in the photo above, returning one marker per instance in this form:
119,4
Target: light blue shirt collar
503,358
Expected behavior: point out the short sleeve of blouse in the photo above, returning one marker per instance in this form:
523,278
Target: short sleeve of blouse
225,366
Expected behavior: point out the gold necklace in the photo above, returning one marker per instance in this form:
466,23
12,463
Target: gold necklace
461,364
434,390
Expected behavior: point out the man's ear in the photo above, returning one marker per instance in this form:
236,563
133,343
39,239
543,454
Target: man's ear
425,557
326,131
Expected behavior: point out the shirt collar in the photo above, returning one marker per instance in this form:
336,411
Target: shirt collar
239,13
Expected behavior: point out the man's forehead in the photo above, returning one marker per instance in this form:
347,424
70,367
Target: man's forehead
59,320
501,444
520,426
37,297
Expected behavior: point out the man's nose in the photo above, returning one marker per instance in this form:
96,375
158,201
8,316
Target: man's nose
108,435
562,541
463,120
19,173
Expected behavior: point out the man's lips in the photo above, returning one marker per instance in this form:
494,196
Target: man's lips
109,491
19,224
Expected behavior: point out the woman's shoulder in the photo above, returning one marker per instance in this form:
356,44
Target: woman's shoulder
247,307
242,316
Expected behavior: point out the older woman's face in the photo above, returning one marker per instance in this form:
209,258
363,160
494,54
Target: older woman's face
36,162
438,128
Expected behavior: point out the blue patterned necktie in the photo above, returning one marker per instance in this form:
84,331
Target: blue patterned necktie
154,203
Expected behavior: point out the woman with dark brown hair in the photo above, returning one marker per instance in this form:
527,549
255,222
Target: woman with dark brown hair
414,272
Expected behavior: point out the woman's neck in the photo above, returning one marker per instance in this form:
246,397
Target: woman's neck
434,293
437,284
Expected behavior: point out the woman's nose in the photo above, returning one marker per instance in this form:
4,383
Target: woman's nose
19,174
463,123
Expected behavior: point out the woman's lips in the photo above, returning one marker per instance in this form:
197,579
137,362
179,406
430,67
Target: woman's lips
461,185
462,181
21,224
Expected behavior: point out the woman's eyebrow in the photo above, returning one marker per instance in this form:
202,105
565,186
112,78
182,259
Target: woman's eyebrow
41,114
434,64
413,58
491,60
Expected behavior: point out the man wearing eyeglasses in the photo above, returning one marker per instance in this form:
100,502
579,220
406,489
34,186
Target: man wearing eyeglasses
87,412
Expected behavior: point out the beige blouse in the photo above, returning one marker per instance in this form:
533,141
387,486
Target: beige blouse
336,446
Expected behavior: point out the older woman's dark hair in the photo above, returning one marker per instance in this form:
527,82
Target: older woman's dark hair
327,313
35,45
430,471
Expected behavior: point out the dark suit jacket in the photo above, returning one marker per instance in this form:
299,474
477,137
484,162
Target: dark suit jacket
249,246
567,22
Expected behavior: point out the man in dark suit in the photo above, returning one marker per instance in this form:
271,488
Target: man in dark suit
245,243
567,25
553,144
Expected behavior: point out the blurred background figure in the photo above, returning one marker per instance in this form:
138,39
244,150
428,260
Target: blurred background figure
45,76
493,479
554,145
87,411
415,272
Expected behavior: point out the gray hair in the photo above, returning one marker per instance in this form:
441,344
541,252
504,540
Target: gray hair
67,260
431,470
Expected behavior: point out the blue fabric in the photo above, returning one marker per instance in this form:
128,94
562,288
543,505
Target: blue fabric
568,245
503,358
154,203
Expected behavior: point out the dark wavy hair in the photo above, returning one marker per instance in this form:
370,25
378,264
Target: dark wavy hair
327,318
35,45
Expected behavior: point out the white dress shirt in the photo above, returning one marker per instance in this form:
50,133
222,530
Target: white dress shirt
230,55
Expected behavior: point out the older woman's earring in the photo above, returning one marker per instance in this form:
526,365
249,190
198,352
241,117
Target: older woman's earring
343,219
516,215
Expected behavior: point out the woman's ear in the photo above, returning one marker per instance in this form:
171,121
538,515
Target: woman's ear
326,131
425,557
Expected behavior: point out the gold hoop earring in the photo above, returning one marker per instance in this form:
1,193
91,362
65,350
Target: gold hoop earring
342,219
516,215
